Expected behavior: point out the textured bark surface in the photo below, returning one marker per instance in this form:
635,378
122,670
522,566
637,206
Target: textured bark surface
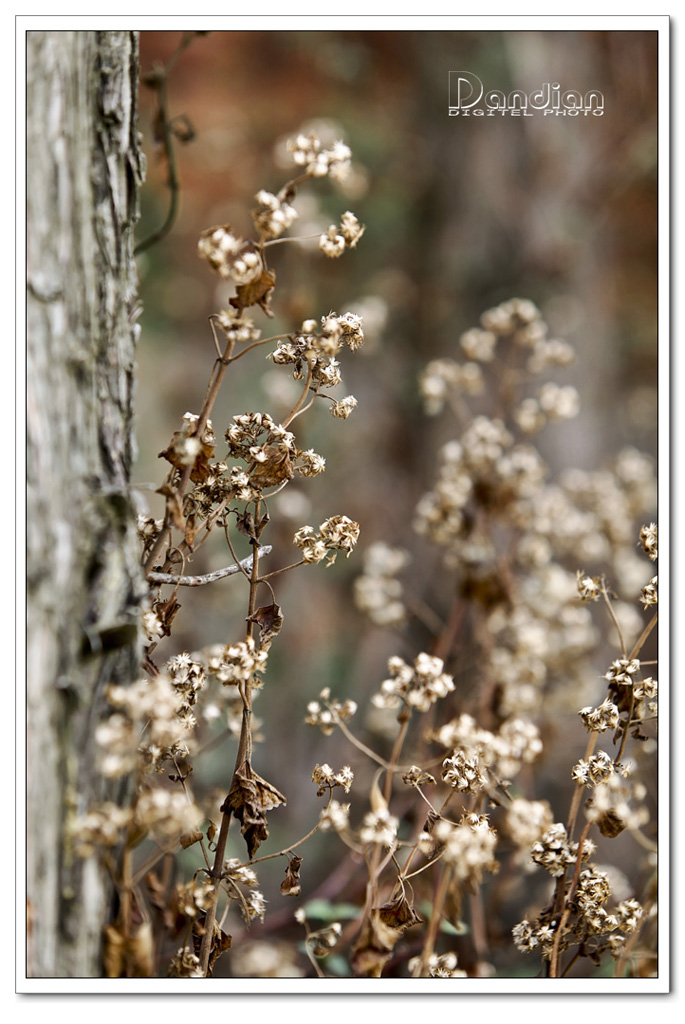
83,576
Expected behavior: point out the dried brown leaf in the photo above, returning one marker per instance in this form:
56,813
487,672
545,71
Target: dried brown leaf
190,530
610,824
381,933
373,949
398,912
173,505
270,620
256,293
245,524
291,886
276,468
249,799
190,838
166,612
221,941
176,454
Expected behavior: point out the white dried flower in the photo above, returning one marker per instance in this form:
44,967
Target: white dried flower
649,539
342,409
335,817
379,827
331,243
351,229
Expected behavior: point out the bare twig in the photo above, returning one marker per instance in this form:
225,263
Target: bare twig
209,577
157,80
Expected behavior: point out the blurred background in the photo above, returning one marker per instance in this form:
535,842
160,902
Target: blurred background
461,213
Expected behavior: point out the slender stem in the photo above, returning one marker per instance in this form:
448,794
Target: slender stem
256,344
555,963
212,317
639,643
302,410
159,83
478,925
428,864
624,738
277,572
300,402
291,238
578,794
310,955
173,182
210,577
243,757
245,571
607,599
434,924
284,852
361,746
215,875
405,717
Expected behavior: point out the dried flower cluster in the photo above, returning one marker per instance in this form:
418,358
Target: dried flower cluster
510,537
466,712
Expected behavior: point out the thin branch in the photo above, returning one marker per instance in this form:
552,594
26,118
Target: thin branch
639,643
291,238
242,568
209,577
157,80
286,849
579,790
277,572
364,749
243,757
555,963
624,738
300,402
256,344
607,599
434,923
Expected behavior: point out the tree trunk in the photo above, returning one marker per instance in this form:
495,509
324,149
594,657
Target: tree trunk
84,582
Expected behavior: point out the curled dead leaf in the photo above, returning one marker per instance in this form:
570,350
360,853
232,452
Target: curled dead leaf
221,941
291,886
270,620
249,799
276,468
190,838
246,525
174,509
380,934
398,912
256,293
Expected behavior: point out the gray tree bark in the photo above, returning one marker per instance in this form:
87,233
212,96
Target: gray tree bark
84,581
